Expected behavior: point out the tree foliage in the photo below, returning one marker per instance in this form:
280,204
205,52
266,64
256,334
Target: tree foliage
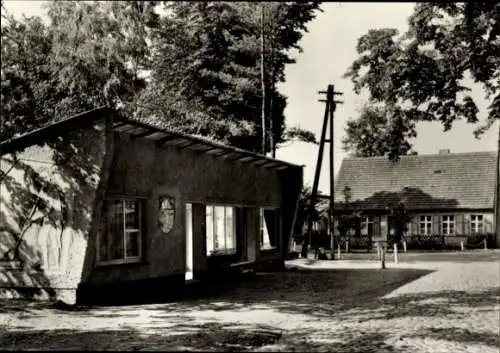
193,69
378,132
85,57
420,75
206,70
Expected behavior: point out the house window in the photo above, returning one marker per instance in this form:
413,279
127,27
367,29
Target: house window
448,225
269,230
476,222
121,241
367,225
221,230
425,225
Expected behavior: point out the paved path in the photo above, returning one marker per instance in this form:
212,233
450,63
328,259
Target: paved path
343,306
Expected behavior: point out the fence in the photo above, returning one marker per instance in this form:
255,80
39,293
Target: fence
413,242
449,242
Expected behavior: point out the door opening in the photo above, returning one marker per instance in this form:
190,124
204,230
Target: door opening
189,242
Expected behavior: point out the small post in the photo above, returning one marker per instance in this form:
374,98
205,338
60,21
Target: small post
395,253
461,246
485,245
382,257
347,246
404,246
338,251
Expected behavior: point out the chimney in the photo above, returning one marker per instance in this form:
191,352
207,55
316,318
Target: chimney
444,151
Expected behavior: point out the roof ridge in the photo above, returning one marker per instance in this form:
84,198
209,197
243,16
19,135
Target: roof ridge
426,155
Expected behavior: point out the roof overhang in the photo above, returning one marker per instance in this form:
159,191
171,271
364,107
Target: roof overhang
139,130
162,137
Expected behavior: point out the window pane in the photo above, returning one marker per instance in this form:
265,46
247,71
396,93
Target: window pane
115,233
230,233
132,241
131,214
219,227
210,229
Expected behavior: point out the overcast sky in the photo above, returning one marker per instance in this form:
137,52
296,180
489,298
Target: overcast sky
328,50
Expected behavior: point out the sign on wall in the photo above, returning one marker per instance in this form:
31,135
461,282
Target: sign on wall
166,213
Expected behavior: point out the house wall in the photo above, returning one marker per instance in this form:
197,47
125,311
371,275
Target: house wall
462,224
43,254
141,168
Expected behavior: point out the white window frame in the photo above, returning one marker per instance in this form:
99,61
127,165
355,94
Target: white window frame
476,223
225,251
367,220
448,220
261,227
426,221
140,230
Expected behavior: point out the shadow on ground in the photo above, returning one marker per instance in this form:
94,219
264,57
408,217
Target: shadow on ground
349,296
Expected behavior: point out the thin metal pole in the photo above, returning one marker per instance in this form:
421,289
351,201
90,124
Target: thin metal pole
262,77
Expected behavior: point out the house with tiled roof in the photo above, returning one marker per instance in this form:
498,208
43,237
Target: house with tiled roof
449,196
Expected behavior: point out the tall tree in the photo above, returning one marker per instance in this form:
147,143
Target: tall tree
421,72
89,54
207,75
27,91
373,133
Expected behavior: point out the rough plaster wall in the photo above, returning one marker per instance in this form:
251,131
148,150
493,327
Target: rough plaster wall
62,175
139,168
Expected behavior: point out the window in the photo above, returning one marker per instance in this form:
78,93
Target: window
121,240
448,225
476,224
425,225
221,230
367,225
269,229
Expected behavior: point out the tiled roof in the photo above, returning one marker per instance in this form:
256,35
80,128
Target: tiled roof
454,180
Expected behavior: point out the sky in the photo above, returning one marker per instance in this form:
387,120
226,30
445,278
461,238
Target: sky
328,49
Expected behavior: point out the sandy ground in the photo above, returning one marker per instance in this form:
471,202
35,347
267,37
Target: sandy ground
340,306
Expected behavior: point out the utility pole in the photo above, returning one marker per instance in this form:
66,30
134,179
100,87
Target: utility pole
330,107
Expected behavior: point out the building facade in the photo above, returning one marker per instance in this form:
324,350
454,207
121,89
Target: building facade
449,197
97,206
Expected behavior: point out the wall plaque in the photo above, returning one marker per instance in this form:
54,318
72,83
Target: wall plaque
166,213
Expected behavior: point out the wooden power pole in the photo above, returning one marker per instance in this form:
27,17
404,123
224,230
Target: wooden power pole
330,107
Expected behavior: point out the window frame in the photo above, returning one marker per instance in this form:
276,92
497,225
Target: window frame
450,221
427,222
277,220
225,251
474,224
125,260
